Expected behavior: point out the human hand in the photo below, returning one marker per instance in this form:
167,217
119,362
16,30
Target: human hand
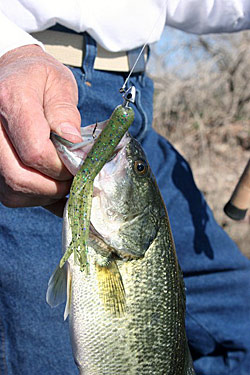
37,95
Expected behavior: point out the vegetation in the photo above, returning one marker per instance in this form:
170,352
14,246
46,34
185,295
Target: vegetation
202,105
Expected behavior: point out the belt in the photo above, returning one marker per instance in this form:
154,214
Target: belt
69,49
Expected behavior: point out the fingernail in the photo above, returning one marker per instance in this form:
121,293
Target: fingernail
69,129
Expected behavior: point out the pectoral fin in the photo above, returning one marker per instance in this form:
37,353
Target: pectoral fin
56,292
111,288
59,288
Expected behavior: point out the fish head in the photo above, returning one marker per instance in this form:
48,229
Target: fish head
127,206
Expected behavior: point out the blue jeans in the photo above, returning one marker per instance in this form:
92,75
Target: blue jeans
34,339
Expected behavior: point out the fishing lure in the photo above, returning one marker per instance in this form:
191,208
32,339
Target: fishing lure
80,199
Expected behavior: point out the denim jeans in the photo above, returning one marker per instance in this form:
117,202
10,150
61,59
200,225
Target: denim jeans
34,339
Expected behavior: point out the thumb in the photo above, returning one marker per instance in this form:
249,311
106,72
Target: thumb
60,106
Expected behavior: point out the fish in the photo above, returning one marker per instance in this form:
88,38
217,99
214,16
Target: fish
127,308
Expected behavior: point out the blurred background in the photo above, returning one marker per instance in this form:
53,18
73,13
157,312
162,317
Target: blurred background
202,105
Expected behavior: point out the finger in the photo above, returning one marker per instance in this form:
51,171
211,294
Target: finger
21,186
60,106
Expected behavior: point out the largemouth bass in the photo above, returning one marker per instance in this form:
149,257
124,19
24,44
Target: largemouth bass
127,310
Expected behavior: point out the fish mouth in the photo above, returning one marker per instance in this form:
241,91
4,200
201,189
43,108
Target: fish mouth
73,154
71,160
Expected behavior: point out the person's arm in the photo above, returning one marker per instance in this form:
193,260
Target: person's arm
208,16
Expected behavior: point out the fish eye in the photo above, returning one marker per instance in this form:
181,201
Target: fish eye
140,167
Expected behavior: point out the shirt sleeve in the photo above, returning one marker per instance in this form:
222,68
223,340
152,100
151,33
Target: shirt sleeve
193,16
208,16
12,36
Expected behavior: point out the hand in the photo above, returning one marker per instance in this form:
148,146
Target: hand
37,94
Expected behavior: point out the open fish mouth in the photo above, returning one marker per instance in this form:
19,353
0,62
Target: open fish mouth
74,154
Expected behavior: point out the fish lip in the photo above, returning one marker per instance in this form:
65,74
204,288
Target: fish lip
70,159
54,137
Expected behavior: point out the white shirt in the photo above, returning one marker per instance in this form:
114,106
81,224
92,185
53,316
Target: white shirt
119,25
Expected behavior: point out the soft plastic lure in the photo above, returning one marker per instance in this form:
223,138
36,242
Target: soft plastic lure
80,199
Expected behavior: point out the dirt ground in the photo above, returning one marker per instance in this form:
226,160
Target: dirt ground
217,156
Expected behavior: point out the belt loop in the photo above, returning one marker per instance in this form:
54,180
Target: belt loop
89,58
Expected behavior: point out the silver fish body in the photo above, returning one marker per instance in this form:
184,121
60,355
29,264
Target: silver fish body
127,312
